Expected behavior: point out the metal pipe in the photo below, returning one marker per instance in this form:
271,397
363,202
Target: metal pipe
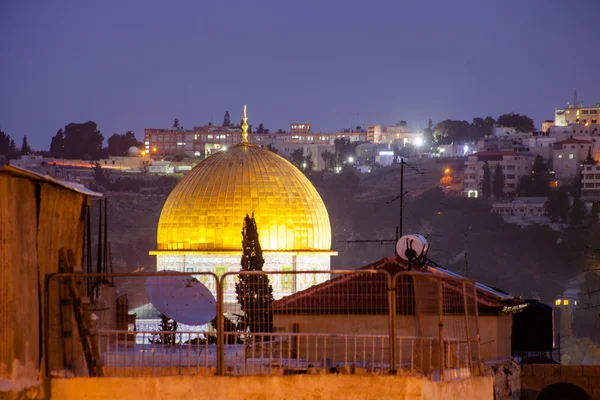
220,325
441,324
469,355
392,322
105,242
477,328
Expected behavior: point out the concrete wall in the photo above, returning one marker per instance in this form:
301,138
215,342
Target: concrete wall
266,387
535,377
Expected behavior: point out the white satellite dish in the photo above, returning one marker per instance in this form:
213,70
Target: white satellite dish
182,298
411,247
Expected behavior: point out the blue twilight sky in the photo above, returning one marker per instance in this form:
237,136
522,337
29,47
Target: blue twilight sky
136,64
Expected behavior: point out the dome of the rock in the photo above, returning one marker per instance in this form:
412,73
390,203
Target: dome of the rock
205,211
200,226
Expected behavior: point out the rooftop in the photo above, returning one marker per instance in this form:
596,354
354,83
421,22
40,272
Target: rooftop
356,294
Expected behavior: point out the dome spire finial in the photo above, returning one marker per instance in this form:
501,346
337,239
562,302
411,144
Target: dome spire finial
244,127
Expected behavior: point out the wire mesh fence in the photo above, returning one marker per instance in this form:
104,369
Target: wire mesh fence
171,323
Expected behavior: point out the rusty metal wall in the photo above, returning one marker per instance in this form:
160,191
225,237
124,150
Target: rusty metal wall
36,220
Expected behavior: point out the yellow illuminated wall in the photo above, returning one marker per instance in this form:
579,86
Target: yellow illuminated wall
205,211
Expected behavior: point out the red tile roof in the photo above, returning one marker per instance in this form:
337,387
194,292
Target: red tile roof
365,292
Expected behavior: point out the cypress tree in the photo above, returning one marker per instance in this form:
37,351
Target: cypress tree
486,183
25,149
254,292
226,119
498,186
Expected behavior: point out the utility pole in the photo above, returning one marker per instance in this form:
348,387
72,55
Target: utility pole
399,233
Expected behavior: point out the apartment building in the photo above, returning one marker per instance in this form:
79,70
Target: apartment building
576,114
567,156
513,164
590,180
201,141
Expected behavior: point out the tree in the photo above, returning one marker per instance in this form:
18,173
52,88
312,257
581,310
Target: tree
302,162
538,183
272,148
176,123
521,123
99,177
594,213
590,160
449,131
486,182
328,160
498,185
428,132
344,149
78,141
254,292
4,143
481,127
118,145
226,119
558,205
576,211
261,128
57,145
25,149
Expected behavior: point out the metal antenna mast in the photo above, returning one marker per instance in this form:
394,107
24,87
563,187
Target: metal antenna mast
399,197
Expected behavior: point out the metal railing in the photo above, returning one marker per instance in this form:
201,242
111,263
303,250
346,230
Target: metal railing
361,321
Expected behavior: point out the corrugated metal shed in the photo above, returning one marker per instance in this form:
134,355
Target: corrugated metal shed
38,216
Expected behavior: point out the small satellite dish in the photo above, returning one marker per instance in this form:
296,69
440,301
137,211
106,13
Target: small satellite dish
411,247
182,298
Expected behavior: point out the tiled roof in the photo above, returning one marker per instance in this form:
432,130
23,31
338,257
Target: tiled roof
366,292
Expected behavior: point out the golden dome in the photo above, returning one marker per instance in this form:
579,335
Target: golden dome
205,211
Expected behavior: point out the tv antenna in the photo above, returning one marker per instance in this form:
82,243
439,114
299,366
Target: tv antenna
399,197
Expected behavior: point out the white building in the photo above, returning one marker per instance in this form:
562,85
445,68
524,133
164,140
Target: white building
567,156
456,150
521,207
576,114
513,164
590,179
541,145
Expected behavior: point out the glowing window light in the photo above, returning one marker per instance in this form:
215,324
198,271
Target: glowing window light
557,302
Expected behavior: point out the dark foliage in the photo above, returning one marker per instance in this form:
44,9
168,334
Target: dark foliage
119,144
78,141
498,185
254,292
486,182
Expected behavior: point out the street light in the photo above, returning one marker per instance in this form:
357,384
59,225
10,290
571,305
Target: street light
350,159
447,171
419,141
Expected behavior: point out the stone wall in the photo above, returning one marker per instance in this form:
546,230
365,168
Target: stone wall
535,377
269,387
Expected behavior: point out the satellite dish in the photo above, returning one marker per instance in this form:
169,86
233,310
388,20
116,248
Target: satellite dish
182,298
411,247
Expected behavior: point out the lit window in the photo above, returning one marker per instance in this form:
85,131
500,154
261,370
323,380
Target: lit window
566,302
557,302
571,156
